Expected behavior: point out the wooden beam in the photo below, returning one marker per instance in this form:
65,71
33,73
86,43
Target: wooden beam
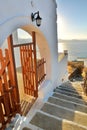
18,45
35,63
13,70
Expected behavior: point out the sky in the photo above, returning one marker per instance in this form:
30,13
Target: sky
72,19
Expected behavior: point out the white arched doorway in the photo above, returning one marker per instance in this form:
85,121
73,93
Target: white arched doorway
40,73
20,17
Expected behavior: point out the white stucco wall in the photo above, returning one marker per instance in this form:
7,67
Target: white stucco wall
17,14
63,72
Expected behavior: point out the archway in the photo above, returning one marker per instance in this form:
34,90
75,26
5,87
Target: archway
42,47
29,65
20,17
30,91
27,89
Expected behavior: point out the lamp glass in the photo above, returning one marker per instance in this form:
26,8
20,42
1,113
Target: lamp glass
38,22
38,18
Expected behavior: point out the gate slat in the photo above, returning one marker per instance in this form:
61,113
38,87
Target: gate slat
27,61
31,68
8,66
1,112
29,76
3,66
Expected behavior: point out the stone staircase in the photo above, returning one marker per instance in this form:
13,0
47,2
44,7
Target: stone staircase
66,109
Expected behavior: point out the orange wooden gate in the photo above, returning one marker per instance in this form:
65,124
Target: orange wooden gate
41,70
29,67
7,91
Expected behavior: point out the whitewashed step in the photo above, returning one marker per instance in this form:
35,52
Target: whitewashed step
67,93
69,98
49,122
65,113
68,104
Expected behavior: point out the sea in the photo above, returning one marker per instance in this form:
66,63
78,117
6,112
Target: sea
77,49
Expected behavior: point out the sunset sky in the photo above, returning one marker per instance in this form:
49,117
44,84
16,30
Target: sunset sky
72,19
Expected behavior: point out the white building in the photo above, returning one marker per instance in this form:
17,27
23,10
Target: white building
17,15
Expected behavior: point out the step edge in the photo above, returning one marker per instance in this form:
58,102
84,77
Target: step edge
82,105
70,110
67,92
69,96
61,119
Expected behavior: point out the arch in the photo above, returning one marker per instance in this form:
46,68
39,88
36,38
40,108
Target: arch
46,38
42,45
23,22
11,25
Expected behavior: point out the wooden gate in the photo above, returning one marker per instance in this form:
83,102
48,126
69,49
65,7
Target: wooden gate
29,67
8,103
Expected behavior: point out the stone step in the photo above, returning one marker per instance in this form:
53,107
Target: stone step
26,128
49,122
68,104
69,98
84,97
36,128
64,110
73,88
65,113
24,124
68,90
68,87
67,93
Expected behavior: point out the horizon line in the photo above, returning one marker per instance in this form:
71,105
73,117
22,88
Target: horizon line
70,39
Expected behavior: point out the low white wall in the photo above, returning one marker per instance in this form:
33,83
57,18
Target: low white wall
62,70
46,89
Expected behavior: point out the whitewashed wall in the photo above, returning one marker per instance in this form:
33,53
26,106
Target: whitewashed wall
17,14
